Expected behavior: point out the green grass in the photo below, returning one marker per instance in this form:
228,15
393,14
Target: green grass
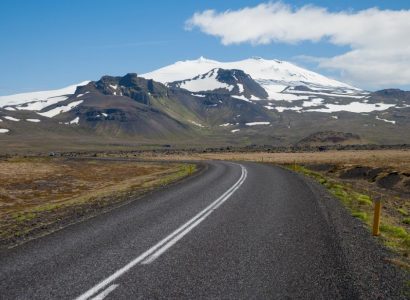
393,231
403,211
397,237
364,199
361,215
24,216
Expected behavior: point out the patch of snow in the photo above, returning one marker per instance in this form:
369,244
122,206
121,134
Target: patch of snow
254,98
313,102
80,95
241,89
10,108
11,119
196,124
4,130
226,124
257,123
335,117
205,82
356,107
198,95
282,108
271,86
33,120
242,97
45,97
328,94
286,97
235,130
269,107
60,109
388,121
75,121
104,114
113,86
39,105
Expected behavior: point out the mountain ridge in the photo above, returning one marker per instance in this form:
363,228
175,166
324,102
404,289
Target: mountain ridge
220,106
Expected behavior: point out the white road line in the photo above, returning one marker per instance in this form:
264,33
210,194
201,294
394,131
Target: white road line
105,292
155,251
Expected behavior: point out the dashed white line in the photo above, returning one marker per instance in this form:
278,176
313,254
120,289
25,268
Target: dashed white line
157,250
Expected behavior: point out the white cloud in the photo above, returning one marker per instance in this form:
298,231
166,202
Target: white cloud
379,39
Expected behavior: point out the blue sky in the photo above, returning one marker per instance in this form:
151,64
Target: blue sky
48,44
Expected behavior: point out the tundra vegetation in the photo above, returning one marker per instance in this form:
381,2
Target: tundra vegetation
41,194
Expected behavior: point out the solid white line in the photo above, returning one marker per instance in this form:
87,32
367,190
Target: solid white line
172,242
168,241
105,292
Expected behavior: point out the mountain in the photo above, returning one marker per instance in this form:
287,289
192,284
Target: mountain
281,80
235,83
37,100
205,102
258,68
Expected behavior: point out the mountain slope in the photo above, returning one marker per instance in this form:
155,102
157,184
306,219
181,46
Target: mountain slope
235,83
38,100
221,106
258,68
278,78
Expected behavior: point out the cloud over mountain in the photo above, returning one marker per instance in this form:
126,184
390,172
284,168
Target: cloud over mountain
378,39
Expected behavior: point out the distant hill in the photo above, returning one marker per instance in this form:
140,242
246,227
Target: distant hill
324,138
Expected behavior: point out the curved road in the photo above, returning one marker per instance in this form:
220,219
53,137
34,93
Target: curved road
234,231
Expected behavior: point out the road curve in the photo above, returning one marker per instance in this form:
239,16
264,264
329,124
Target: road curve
237,230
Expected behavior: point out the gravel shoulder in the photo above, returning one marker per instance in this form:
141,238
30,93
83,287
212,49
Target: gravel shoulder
367,260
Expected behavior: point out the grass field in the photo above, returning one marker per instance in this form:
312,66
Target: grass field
385,158
36,193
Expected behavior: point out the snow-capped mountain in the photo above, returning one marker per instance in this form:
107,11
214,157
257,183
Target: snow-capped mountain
280,79
253,100
235,83
37,101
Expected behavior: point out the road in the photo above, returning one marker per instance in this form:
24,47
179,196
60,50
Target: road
235,231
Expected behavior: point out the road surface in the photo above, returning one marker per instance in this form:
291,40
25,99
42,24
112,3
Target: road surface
235,231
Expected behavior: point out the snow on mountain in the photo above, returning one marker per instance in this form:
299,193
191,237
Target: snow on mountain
205,82
357,107
36,101
11,119
273,75
60,109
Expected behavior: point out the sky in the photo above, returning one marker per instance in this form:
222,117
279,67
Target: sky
47,44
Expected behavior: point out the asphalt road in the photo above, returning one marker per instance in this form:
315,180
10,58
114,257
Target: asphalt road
235,231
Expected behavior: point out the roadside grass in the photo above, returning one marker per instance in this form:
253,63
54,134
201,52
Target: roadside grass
397,159
393,234
37,193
